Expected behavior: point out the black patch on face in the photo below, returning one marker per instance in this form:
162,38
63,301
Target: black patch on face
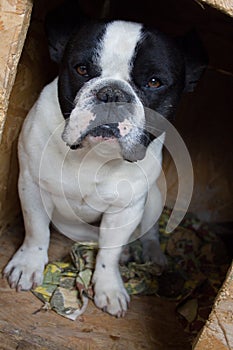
157,57
80,50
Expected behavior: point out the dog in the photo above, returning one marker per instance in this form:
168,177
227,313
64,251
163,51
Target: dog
85,154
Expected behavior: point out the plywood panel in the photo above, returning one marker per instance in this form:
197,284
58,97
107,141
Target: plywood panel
150,323
34,71
217,333
14,22
225,6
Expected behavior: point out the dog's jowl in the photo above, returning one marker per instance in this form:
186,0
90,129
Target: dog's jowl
86,155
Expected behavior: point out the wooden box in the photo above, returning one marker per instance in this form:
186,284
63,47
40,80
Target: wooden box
205,122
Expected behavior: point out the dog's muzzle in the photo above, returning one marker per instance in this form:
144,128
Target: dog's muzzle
108,110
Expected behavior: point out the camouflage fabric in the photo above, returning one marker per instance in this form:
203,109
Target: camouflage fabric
197,264
67,285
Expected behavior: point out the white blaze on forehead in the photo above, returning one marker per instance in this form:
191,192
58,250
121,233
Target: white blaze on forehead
118,48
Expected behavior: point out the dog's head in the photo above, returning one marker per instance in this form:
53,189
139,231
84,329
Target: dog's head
110,73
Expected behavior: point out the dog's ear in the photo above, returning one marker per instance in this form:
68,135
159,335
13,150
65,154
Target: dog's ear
60,25
196,58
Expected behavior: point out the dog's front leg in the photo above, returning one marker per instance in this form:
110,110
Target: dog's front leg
115,231
25,269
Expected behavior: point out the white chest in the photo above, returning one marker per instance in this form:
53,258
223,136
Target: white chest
85,187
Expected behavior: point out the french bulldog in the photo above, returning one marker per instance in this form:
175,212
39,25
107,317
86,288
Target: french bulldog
86,155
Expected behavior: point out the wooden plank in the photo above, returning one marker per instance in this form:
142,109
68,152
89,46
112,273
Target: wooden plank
217,333
30,78
225,6
150,323
14,22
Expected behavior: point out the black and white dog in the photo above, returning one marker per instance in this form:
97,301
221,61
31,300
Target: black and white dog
109,74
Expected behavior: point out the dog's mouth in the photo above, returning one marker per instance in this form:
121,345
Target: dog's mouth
129,150
128,140
105,131
100,133
114,124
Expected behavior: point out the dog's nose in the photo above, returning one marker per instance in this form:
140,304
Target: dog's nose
112,94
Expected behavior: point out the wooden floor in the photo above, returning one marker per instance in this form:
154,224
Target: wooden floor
149,324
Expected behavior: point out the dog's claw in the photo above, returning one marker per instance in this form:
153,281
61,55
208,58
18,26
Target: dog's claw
34,285
24,271
13,285
19,288
113,301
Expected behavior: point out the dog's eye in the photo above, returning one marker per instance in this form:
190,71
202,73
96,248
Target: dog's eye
154,83
82,70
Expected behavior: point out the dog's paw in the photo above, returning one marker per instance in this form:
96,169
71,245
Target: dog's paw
111,296
152,252
114,301
25,269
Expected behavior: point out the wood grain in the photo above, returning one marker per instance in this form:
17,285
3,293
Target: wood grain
217,333
14,22
149,324
225,6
